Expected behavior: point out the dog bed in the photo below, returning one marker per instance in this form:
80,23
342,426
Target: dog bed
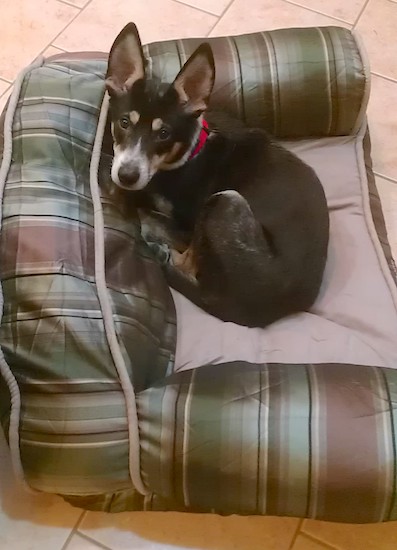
120,395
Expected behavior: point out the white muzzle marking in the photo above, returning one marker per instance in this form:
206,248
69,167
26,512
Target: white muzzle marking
135,159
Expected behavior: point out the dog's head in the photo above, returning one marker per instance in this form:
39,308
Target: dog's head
153,128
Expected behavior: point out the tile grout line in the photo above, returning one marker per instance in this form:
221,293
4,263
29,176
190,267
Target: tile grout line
57,48
296,534
293,3
10,83
70,4
93,541
360,13
389,78
326,545
79,12
182,3
74,530
220,16
6,90
383,176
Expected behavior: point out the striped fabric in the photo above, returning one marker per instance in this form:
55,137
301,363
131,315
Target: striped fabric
315,441
52,332
300,440
293,82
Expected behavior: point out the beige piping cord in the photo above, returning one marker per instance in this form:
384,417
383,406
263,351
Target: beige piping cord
106,307
368,214
361,117
5,371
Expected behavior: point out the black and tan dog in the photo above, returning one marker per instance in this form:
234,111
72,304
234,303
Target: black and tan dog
253,216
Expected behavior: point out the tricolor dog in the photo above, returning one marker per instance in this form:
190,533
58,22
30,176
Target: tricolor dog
253,215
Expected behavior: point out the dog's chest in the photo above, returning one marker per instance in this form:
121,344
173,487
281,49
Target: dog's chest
162,204
181,193
180,202
158,224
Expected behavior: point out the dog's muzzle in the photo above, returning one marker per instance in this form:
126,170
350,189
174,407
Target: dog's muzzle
131,168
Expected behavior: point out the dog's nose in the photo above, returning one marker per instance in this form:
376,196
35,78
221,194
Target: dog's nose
128,176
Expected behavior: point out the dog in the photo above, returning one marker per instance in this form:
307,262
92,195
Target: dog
253,216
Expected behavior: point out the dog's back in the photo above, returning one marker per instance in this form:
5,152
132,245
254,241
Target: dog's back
261,237
257,215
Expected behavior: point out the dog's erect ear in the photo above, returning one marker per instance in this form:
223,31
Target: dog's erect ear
195,80
126,62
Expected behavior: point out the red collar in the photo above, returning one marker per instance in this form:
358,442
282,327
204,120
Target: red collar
201,139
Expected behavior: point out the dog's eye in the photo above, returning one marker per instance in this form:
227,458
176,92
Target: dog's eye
163,134
124,122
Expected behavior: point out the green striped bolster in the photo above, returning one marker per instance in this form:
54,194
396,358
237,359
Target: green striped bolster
225,438
294,82
297,440
52,332
390,436
75,442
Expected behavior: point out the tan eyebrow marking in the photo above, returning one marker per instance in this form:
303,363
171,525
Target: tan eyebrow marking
157,124
134,117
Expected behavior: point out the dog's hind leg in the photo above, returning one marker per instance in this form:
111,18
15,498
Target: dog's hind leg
230,257
231,248
228,226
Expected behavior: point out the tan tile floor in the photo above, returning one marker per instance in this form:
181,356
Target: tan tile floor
30,27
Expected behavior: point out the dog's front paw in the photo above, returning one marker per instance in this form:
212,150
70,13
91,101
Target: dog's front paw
160,252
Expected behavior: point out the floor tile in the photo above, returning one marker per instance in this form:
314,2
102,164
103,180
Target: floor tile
388,195
255,15
93,29
4,95
3,87
166,531
213,6
304,543
377,25
81,543
28,522
347,11
77,3
51,50
382,117
26,28
354,537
